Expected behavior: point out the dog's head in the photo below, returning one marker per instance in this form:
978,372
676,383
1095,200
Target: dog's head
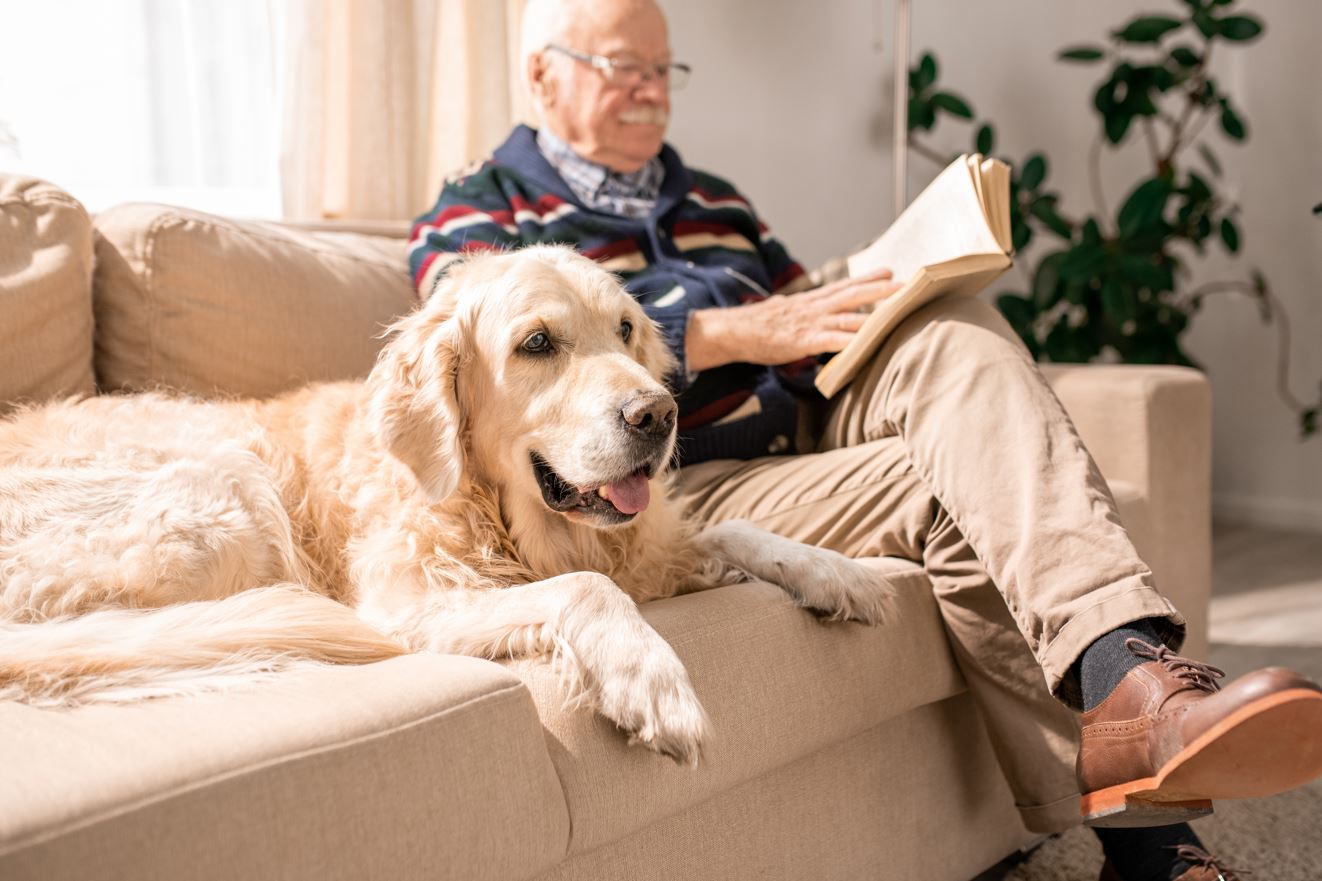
534,372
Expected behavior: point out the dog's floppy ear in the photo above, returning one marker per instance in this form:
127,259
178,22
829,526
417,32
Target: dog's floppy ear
414,408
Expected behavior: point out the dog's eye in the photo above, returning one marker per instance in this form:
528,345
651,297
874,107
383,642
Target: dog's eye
539,344
626,330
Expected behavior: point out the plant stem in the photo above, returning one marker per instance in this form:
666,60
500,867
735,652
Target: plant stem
1095,181
1150,136
927,152
1199,126
1277,313
1195,87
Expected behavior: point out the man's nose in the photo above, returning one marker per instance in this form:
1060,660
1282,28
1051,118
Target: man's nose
652,87
651,414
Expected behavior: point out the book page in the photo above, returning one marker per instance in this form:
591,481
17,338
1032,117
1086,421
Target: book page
995,176
946,221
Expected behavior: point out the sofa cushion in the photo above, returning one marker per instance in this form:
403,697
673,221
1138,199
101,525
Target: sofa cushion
209,305
777,683
424,766
45,293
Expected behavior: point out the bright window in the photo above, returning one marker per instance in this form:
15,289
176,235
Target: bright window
171,101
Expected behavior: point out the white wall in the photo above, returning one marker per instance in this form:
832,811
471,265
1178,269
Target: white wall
791,100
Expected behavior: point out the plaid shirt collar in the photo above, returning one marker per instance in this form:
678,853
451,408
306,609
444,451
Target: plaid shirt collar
628,194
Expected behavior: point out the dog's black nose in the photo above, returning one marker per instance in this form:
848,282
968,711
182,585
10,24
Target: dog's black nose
649,413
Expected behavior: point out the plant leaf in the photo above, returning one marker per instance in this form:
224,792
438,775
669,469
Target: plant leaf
1065,344
1231,124
1206,24
1081,53
1044,209
1118,302
1147,29
921,115
1145,206
1046,281
1210,158
985,140
1197,188
1117,123
924,74
952,104
1240,27
1020,235
1019,311
1081,263
1185,57
1144,273
1230,235
1035,171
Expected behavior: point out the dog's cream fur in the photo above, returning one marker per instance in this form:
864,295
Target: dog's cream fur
158,545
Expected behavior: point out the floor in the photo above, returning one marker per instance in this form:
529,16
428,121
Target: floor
1266,587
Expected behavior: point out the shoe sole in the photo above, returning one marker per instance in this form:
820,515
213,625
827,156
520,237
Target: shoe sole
1266,747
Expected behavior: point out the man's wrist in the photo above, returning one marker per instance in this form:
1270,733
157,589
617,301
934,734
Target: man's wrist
706,342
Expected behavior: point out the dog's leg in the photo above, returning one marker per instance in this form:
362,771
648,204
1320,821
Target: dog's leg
829,583
632,676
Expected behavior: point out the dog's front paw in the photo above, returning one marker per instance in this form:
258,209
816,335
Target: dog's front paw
657,707
823,581
840,589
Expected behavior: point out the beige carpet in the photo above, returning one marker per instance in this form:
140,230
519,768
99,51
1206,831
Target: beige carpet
1277,839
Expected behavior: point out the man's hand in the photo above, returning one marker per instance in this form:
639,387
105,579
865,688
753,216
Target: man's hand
782,329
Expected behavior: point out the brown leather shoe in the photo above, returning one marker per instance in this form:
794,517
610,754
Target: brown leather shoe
1202,867
1169,739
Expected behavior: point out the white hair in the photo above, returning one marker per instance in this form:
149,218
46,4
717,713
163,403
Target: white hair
544,22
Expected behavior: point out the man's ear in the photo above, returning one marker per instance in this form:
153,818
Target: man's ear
413,409
540,81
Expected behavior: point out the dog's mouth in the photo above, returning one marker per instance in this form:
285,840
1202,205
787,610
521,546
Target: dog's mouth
611,503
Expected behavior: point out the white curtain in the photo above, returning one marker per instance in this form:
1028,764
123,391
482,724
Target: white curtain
385,98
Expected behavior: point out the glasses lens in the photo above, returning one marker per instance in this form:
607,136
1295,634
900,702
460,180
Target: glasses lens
624,72
679,75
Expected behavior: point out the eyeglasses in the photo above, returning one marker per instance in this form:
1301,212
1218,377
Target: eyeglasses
630,72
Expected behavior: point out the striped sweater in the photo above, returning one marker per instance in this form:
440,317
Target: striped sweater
702,246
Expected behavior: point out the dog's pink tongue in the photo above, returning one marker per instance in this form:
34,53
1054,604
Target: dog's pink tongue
631,495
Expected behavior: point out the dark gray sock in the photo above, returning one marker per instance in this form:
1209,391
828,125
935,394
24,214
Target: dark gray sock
1104,663
1147,854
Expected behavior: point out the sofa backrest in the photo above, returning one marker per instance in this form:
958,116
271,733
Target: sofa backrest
45,293
213,306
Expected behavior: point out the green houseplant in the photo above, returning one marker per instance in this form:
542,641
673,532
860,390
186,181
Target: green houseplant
1103,281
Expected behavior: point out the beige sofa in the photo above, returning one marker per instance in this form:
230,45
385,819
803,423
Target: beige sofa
840,751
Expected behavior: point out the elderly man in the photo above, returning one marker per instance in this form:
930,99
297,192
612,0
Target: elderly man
948,449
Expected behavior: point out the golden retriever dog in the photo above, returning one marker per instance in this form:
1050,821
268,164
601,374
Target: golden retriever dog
496,487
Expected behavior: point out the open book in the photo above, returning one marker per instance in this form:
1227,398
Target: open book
954,239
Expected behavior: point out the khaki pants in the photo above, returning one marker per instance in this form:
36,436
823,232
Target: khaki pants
951,450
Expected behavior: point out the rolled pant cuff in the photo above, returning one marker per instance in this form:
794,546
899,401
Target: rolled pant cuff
1130,600
1048,819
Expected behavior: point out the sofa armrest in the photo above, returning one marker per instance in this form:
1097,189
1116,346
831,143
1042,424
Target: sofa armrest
422,766
1150,427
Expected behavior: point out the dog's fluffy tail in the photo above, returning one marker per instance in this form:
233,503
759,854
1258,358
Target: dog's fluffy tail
129,654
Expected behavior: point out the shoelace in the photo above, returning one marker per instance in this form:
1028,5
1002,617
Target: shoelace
1201,676
1199,858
